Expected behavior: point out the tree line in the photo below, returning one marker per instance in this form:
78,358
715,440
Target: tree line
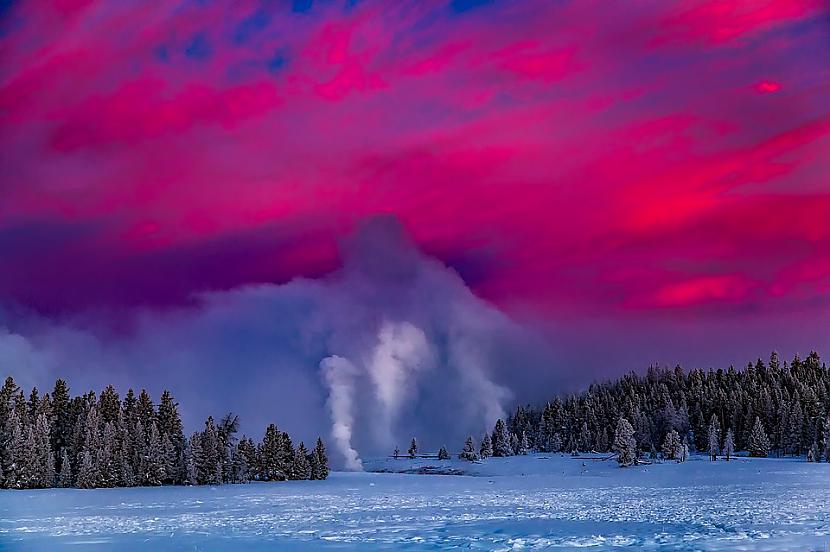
773,407
86,441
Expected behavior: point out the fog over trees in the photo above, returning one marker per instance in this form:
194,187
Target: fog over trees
91,441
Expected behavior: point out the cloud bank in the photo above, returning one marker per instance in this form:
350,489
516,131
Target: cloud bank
391,345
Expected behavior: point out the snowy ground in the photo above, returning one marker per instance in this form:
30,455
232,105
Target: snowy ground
533,502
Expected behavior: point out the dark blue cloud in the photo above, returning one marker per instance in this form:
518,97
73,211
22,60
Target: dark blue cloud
249,26
277,61
199,48
302,6
460,6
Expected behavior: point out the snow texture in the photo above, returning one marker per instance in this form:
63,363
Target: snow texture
530,502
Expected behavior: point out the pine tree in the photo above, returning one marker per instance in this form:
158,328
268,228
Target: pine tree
827,439
145,411
44,460
170,426
524,446
108,465
501,440
319,461
396,453
486,450
65,477
672,446
443,454
469,450
211,462
713,438
556,442
624,443
729,445
88,472
302,466
758,444
27,468
152,464
270,455
514,444
413,448
190,459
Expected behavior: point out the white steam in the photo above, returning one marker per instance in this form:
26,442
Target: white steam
339,375
401,352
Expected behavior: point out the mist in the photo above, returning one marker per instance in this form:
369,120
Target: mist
390,346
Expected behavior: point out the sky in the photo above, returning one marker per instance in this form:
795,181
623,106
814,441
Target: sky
633,183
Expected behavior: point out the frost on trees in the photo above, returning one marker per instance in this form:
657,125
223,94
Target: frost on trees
758,444
672,446
486,449
624,444
713,438
524,446
443,454
91,442
827,439
501,440
413,448
469,450
729,445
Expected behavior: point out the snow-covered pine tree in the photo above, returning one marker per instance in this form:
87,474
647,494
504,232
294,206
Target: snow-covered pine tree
226,431
624,443
584,439
514,444
88,473
209,470
713,438
27,466
413,448
672,446
145,411
524,446
270,454
302,466
794,430
443,454
108,465
758,444
501,440
729,444
169,460
152,472
190,459
170,426
556,442
287,456
486,449
65,477
319,461
811,452
469,450
61,430
44,476
239,466
827,439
